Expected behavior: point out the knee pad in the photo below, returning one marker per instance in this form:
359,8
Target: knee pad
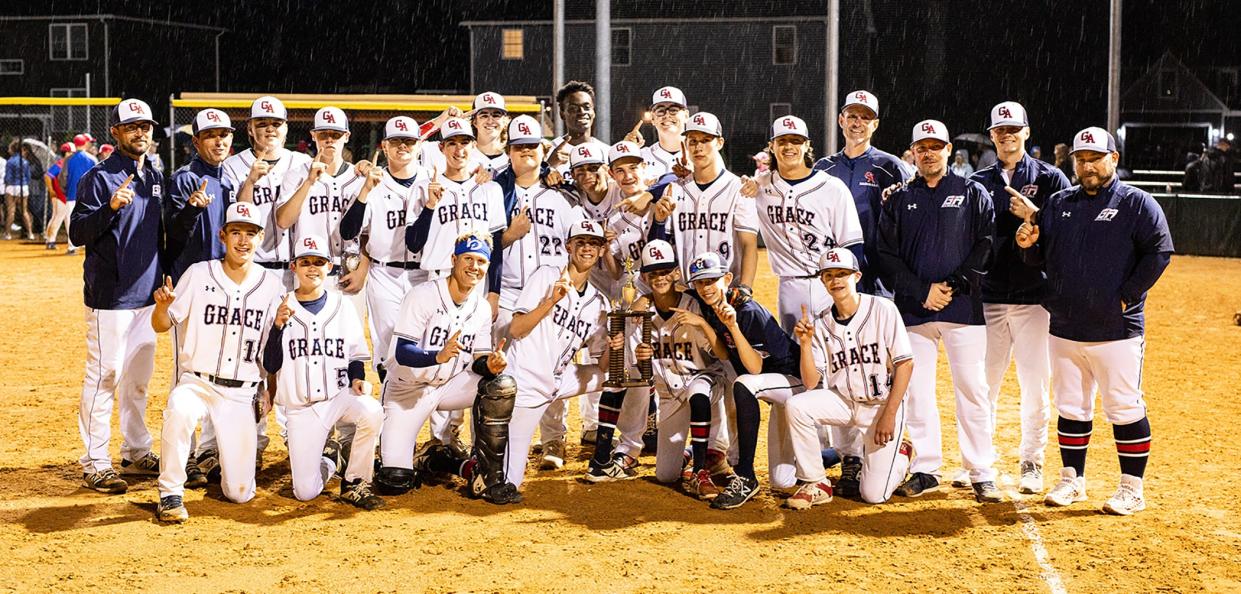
390,480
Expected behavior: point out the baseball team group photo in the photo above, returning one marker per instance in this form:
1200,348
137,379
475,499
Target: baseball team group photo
623,334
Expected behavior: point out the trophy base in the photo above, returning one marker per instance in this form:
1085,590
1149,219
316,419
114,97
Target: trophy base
628,383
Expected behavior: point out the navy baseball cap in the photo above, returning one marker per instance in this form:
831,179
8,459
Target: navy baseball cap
707,266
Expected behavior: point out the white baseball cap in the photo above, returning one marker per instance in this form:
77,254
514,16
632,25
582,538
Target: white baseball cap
657,255
586,227
838,258
1094,139
456,127
622,150
490,100
588,153
863,98
401,127
268,107
311,245
524,130
132,110
930,129
789,125
668,95
707,266
1008,113
704,122
331,118
243,212
211,119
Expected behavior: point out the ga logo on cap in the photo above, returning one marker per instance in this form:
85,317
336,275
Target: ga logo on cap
583,152
701,121
489,98
665,93
243,210
135,107
213,116
928,128
789,123
833,256
266,106
620,148
1087,136
454,125
309,243
328,117
1004,112
400,125
655,252
860,96
524,128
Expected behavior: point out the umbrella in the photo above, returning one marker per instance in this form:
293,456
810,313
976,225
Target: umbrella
39,151
973,138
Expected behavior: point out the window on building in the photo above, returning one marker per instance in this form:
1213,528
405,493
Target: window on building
622,42
70,117
1169,85
514,44
12,67
67,41
776,111
784,45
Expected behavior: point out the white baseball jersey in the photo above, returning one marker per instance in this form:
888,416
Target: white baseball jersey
682,353
631,232
603,210
383,221
801,222
432,156
658,160
277,243
710,219
325,203
857,358
221,325
463,207
544,245
578,320
317,349
428,318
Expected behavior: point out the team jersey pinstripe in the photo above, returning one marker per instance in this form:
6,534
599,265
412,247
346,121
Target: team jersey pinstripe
222,325
857,359
578,320
277,243
325,204
317,350
428,318
544,245
383,221
432,156
658,161
801,222
725,213
682,353
600,213
463,207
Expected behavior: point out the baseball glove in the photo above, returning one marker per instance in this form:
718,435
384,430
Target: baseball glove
740,294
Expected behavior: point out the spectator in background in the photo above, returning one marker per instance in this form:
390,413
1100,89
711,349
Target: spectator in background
986,159
105,151
961,164
60,210
1063,161
908,157
76,165
1195,173
153,158
1036,152
17,189
1218,177
762,163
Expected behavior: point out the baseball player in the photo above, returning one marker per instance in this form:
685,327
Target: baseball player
117,216
935,243
1011,290
316,348
220,308
1097,307
257,173
60,212
442,360
199,195
856,355
489,118
76,166
669,112
575,102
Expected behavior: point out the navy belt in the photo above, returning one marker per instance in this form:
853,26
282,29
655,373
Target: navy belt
274,265
401,265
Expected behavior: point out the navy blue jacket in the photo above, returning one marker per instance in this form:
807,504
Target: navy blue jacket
941,234
193,233
122,268
781,354
866,176
1010,279
1099,251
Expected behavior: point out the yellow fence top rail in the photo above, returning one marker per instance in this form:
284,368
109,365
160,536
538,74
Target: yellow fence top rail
60,101
431,103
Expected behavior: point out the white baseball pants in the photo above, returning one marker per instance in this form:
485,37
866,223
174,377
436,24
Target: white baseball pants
309,428
1114,367
674,426
120,357
776,389
883,467
1020,331
408,406
531,406
193,400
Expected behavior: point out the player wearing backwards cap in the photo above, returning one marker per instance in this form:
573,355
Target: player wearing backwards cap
71,174
856,357
1104,244
117,216
935,244
221,309
1011,290
669,113
489,119
316,348
60,212
199,195
443,361
257,173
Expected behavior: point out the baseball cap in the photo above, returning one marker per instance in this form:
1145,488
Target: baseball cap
524,130
401,127
330,118
132,110
66,147
243,212
930,129
310,245
82,139
456,127
704,122
490,100
863,98
586,227
1094,139
668,95
623,150
657,255
211,119
589,153
106,148
789,125
707,266
838,258
268,107
1008,113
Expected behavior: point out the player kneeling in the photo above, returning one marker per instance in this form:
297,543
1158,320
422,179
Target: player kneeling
442,360
220,309
860,351
317,351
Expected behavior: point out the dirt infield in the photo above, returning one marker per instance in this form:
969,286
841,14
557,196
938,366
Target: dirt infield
570,536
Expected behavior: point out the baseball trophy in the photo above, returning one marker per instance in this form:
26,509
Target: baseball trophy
618,375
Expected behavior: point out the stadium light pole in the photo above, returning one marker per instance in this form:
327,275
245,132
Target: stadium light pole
832,80
603,70
1113,69
557,59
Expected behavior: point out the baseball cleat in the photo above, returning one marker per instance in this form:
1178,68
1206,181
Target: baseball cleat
194,478
917,484
1031,478
607,473
848,485
962,479
627,463
209,464
1069,490
810,495
553,455
986,492
147,465
739,490
701,485
1128,498
687,458
358,493
105,481
717,463
171,509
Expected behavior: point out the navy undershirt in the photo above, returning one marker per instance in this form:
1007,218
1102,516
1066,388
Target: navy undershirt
273,354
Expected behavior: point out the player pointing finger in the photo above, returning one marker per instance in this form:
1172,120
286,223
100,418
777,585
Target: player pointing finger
496,361
165,294
450,350
1020,206
666,205
804,330
435,190
200,198
123,195
284,312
